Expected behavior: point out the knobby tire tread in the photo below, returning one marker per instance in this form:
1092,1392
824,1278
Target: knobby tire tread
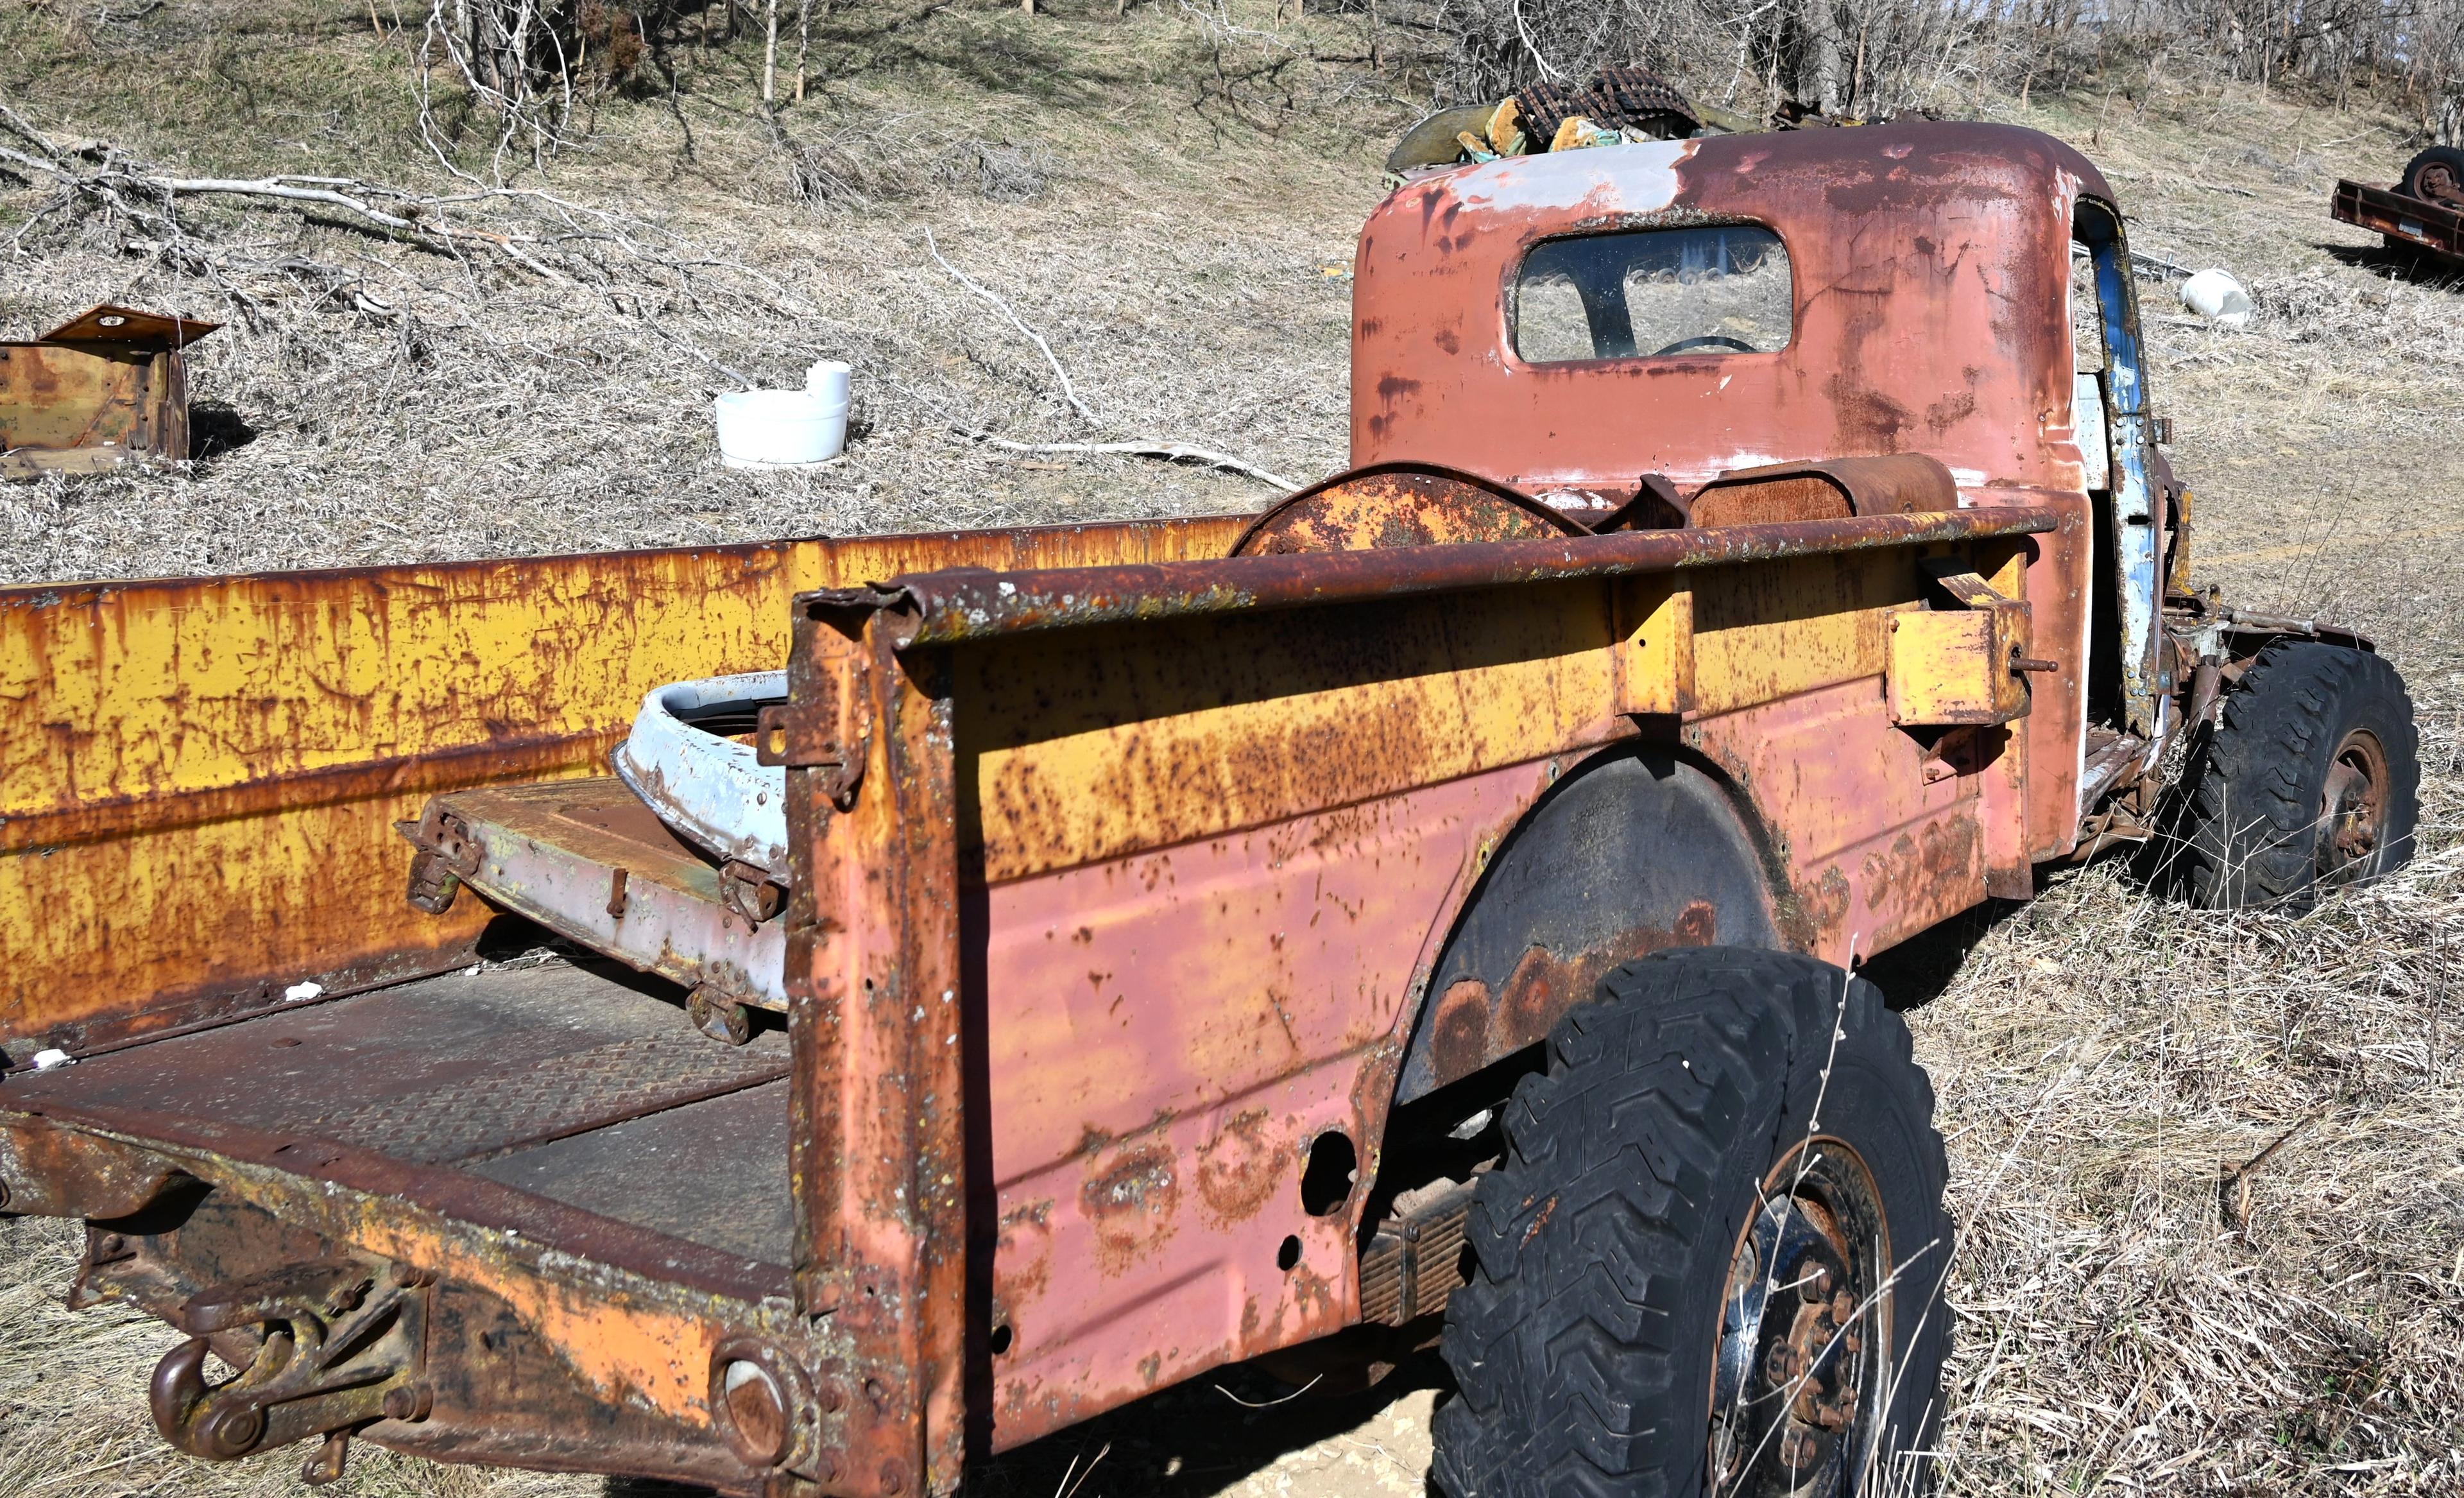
1570,1344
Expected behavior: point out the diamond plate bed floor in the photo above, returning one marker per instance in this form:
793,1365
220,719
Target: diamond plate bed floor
583,1084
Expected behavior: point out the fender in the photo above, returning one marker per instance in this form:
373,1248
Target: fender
1638,850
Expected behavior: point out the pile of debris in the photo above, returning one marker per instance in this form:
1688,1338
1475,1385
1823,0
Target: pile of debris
1618,106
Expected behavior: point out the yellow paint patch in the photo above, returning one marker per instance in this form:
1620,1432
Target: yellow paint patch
1096,744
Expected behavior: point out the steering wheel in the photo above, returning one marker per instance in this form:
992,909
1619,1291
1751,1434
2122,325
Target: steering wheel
1720,340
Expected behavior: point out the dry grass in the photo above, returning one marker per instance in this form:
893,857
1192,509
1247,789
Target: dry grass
2102,1055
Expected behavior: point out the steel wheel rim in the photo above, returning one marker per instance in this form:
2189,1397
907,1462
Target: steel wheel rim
2352,809
2437,183
1801,1366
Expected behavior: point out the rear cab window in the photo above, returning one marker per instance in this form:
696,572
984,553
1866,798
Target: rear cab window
1654,293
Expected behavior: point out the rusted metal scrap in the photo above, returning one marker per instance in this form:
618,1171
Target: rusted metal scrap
105,389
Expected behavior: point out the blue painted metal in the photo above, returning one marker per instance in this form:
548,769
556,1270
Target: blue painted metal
2137,524
709,788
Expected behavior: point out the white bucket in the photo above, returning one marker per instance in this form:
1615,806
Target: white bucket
779,429
2215,294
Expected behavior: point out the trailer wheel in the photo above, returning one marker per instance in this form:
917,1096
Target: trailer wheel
2436,176
2309,781
1711,1261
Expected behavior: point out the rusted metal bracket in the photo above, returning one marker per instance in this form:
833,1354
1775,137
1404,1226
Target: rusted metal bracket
447,853
328,1347
49,1171
829,732
1964,664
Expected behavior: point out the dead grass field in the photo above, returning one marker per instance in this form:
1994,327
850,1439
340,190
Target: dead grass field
2101,1055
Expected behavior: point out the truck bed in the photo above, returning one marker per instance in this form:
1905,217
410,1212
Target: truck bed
579,1085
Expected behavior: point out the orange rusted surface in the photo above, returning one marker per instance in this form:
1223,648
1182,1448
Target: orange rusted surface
1216,849
1169,1033
198,790
1403,506
881,1158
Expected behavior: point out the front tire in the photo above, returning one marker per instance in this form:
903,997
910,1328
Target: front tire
2310,780
1712,1260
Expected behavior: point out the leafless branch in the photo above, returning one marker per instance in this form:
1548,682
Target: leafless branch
1068,391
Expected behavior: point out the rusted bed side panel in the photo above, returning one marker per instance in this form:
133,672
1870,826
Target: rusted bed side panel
199,777
1218,835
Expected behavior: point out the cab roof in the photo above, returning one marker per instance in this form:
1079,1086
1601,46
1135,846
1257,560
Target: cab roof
1930,279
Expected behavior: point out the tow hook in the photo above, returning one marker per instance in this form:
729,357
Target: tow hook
323,1348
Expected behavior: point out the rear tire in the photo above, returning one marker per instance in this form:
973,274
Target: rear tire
1646,1317
2310,780
2436,175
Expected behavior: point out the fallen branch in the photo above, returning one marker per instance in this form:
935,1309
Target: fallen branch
2237,1181
1139,446
1068,391
1177,452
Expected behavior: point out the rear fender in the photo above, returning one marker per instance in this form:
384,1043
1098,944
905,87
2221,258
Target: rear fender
1637,849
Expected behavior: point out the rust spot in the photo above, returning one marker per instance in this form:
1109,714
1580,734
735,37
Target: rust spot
1239,1170
1535,995
1824,904
1698,925
1133,1207
1024,1258
1459,1033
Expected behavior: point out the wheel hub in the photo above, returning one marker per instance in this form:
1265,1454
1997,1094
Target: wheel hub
2436,182
1804,1334
2352,813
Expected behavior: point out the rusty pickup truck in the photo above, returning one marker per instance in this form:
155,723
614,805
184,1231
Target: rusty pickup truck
1001,974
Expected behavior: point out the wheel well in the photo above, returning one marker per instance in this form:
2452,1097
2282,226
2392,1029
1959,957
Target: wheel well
1640,848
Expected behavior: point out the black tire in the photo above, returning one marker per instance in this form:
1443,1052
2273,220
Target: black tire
1586,1343
2271,814
2436,175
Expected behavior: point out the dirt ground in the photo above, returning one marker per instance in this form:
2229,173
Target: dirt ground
2101,1055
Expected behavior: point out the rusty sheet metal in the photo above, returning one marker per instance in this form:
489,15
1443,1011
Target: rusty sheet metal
1105,741
881,1155
1168,1034
1214,844
587,860
174,752
1911,245
1908,483
107,389
945,606
1400,505
1840,791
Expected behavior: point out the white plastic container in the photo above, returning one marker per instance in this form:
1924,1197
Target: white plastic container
828,382
779,429
2215,294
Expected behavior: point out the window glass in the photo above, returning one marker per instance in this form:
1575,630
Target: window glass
1652,292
